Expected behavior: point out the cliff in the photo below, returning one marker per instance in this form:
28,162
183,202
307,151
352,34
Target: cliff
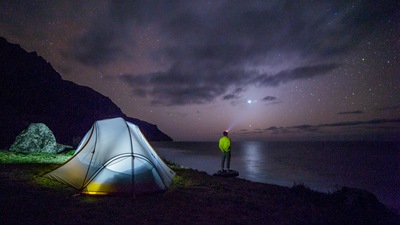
33,92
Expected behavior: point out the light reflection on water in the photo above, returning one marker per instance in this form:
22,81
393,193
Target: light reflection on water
252,157
262,163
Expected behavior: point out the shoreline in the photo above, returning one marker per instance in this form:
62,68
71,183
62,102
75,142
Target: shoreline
193,198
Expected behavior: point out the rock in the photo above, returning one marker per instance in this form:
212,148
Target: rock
36,138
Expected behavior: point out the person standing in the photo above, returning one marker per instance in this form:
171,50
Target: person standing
225,147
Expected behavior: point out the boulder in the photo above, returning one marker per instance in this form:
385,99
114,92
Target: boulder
36,138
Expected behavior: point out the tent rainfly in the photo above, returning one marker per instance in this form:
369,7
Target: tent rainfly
114,157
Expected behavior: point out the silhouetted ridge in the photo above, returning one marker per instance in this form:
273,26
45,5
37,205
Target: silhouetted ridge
32,91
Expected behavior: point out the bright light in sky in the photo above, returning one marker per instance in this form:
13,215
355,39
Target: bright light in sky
315,71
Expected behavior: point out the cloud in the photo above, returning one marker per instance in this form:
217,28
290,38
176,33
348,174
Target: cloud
351,112
278,130
269,98
236,94
106,40
181,86
308,128
228,33
98,49
298,73
208,48
317,128
320,128
230,97
22,17
389,108
356,123
174,88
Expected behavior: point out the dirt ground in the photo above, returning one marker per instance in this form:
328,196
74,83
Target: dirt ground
193,198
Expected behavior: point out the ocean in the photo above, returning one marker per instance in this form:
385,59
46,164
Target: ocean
321,166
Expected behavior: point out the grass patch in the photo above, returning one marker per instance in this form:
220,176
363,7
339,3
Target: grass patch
14,157
174,165
181,182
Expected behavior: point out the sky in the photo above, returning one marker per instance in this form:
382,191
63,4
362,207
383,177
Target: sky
265,70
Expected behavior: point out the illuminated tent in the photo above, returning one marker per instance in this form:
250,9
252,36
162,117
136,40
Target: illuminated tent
114,157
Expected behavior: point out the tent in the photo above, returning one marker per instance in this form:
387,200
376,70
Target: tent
114,157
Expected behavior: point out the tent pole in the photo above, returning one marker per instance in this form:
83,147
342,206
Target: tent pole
133,162
91,157
133,177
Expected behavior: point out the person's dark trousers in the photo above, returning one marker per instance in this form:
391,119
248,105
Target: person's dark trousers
227,156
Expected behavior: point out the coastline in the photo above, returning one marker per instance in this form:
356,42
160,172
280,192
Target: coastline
193,198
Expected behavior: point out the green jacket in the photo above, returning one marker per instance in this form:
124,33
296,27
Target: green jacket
225,144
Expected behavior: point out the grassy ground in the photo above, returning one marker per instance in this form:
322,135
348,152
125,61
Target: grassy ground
14,157
193,198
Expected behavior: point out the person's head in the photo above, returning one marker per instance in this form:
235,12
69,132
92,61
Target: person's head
225,133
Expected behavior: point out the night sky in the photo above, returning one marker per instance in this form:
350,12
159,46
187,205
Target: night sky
265,70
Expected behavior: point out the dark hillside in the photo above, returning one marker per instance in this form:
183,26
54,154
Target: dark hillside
32,91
